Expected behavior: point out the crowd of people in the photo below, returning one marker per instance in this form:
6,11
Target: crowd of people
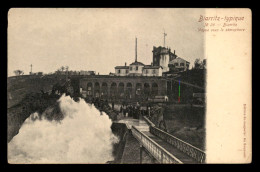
134,110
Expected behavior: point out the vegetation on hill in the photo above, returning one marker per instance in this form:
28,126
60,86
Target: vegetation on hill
194,76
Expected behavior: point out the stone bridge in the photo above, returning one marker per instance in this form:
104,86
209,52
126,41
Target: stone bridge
161,146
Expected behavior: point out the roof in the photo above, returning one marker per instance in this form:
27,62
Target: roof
137,63
178,58
122,67
160,48
151,67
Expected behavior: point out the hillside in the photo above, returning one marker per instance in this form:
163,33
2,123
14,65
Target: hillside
194,76
29,94
20,86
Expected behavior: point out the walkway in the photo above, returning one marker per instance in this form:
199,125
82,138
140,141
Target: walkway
139,124
155,145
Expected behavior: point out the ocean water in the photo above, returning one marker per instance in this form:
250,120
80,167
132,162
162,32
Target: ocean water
82,136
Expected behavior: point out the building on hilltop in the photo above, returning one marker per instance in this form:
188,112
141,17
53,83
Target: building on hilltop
164,62
178,65
150,70
162,56
121,70
140,82
138,68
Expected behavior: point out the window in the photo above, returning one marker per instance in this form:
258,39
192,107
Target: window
136,68
126,71
130,68
153,71
176,64
146,71
182,64
118,71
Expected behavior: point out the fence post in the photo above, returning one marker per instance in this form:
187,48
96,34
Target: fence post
141,154
162,156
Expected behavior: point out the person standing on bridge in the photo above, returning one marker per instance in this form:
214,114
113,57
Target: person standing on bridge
142,110
138,109
113,104
121,111
126,113
124,110
131,111
161,120
135,112
149,111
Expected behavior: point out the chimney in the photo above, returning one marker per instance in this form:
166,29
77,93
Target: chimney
125,63
152,64
174,52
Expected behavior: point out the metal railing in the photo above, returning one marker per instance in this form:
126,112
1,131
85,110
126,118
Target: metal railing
149,122
158,152
185,147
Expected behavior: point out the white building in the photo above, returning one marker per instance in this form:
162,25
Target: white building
121,70
136,69
163,61
150,70
179,64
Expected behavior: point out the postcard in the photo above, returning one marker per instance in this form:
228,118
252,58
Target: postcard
129,86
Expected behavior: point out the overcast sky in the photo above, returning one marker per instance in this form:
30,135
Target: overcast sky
98,39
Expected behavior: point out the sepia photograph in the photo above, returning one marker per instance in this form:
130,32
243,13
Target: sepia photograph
116,85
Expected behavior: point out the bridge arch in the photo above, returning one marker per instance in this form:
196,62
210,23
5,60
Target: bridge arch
147,90
154,89
90,89
97,89
113,89
138,89
121,87
129,88
104,90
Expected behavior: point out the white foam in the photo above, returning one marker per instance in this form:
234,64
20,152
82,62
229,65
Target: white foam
83,136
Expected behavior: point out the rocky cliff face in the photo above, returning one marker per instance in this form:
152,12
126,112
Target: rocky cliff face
36,102
29,94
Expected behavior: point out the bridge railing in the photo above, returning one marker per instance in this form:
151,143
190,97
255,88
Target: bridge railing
158,152
149,122
185,147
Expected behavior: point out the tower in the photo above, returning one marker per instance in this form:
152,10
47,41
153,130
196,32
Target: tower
162,55
135,49
164,34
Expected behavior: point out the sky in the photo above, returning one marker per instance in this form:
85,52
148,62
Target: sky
98,39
